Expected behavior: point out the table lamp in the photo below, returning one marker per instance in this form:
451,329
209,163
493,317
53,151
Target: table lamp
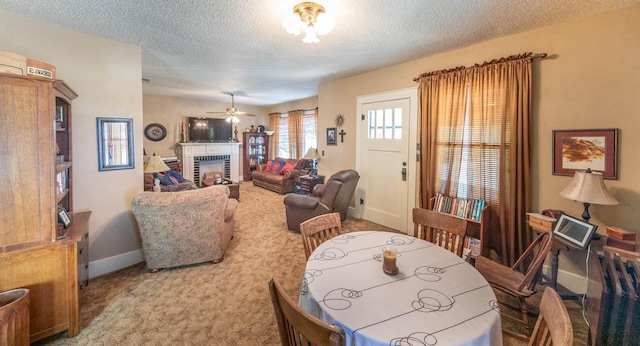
588,187
312,154
155,165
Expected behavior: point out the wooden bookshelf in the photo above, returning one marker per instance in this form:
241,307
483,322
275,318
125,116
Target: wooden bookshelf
476,227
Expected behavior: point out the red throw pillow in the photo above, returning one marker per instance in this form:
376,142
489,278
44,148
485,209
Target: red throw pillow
287,167
268,166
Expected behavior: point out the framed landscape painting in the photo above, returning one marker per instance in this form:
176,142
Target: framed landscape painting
577,150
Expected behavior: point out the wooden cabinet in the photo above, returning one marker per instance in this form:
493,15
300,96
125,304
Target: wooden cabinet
33,254
255,152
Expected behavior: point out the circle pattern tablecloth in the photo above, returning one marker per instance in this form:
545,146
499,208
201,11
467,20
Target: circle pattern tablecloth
435,299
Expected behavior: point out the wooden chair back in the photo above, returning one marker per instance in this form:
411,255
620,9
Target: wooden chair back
298,327
517,281
553,326
319,229
542,244
442,229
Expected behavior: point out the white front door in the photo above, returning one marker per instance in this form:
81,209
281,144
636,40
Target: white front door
387,183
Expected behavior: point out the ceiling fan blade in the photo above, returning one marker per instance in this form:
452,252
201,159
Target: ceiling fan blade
236,113
233,110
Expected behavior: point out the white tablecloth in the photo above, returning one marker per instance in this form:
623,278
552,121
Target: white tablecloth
435,299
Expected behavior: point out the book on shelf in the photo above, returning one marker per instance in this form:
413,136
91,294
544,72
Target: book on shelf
471,247
465,208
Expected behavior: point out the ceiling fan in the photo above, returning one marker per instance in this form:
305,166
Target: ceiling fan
232,112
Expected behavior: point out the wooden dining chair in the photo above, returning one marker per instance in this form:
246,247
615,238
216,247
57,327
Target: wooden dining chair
442,229
319,229
298,327
518,281
553,326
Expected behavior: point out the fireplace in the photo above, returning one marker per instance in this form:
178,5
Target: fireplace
211,163
200,158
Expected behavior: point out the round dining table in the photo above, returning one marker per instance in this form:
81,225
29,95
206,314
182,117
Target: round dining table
436,298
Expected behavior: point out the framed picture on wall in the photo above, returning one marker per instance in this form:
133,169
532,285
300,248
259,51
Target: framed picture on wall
577,150
331,136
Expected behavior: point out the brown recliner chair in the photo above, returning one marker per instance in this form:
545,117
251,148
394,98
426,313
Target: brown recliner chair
332,197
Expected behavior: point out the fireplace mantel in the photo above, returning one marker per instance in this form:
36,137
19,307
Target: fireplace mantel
187,153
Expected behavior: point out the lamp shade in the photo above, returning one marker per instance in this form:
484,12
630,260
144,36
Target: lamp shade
312,154
588,187
155,165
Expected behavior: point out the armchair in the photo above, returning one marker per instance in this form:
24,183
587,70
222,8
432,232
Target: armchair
332,197
184,227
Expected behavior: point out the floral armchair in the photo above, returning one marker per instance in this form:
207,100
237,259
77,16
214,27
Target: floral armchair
185,227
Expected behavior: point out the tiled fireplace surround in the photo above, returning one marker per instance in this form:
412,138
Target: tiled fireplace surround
200,158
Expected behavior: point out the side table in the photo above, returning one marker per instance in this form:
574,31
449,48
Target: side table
234,188
303,185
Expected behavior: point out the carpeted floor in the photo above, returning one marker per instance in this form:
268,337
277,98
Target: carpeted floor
223,304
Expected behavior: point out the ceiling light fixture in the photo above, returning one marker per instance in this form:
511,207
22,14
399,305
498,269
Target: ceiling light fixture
311,18
232,119
231,111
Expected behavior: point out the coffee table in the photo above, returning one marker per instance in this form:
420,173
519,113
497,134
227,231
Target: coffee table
234,188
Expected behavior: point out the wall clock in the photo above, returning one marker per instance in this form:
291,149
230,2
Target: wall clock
155,132
339,120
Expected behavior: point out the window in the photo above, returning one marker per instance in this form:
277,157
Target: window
385,123
283,137
309,135
469,151
310,139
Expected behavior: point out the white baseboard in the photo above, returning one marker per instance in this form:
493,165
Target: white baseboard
111,264
572,281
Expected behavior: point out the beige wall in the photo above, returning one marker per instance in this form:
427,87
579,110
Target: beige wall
307,103
170,111
107,76
590,81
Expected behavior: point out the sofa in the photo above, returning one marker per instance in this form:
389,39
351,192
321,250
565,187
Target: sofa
184,227
185,184
332,197
281,181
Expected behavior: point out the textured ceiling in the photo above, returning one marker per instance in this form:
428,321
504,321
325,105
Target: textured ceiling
204,49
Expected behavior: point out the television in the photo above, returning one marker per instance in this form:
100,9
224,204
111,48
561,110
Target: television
209,130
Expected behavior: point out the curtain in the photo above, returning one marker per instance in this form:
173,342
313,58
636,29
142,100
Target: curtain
315,124
296,133
274,124
475,136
